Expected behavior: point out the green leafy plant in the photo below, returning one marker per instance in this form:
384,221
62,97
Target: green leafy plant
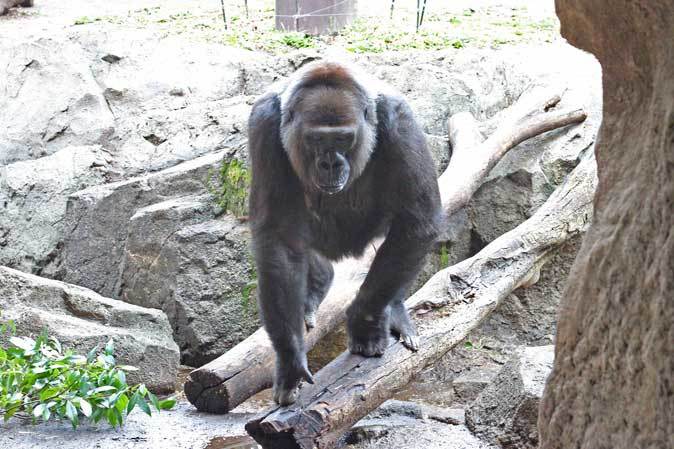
297,40
39,379
230,186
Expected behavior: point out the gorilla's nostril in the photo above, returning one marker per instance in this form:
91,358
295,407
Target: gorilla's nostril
324,165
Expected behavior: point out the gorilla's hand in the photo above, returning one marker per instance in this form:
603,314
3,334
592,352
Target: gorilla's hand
368,332
289,373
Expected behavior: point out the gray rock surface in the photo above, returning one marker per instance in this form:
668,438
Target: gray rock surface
33,196
199,274
411,433
82,319
97,219
50,100
506,412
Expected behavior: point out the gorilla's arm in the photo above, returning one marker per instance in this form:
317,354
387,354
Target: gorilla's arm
415,200
278,247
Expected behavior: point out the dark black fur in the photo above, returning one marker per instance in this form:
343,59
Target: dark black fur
297,227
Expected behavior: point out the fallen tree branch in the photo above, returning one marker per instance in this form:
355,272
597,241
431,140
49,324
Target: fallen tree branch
447,308
246,369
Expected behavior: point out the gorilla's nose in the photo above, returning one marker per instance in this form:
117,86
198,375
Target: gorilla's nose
331,164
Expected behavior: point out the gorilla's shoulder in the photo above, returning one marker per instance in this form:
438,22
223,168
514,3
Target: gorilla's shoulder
391,106
267,106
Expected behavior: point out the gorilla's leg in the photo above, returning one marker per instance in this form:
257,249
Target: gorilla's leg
402,326
282,288
319,281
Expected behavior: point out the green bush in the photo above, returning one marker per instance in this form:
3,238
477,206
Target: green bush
39,379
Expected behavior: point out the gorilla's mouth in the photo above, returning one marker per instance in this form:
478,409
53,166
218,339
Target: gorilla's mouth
331,189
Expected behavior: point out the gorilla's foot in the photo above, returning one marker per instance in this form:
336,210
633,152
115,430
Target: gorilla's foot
368,335
402,326
285,396
287,380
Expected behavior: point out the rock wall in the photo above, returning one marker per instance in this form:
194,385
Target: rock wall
82,319
611,385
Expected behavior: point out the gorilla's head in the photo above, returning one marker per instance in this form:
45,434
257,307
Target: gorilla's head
327,129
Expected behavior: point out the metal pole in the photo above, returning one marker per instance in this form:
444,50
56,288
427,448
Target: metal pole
224,17
423,10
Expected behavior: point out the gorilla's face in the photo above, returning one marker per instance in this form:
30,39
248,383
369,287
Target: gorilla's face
328,137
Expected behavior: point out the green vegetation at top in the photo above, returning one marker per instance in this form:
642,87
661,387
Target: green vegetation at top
446,25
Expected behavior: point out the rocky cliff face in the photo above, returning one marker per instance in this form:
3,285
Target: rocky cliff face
611,385
111,139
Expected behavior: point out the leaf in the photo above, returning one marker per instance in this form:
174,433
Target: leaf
122,403
97,415
56,344
144,407
39,409
85,407
91,355
132,403
71,414
48,393
103,388
25,343
112,416
46,414
121,377
168,403
109,347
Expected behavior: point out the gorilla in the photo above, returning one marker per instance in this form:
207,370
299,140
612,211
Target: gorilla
6,4
337,159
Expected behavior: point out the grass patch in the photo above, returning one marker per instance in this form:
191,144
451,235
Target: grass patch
447,27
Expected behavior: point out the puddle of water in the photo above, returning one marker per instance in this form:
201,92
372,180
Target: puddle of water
240,442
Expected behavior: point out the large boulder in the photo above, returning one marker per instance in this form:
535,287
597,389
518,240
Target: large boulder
611,385
82,319
506,412
196,268
97,218
33,196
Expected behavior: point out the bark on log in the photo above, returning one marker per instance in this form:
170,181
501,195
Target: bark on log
248,368
447,308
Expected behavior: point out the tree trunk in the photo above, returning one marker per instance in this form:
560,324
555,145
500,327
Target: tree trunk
612,383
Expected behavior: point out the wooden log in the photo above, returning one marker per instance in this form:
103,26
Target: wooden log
445,310
248,368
